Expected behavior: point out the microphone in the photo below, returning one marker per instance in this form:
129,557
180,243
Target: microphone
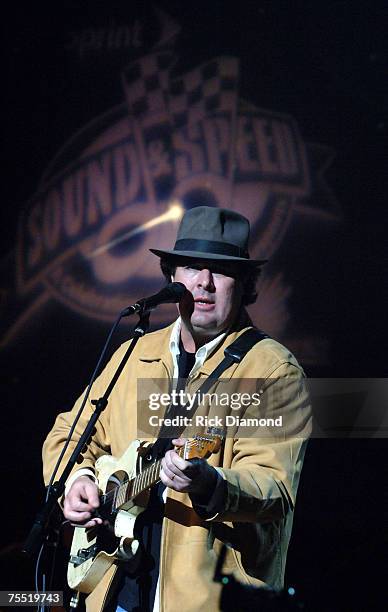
171,294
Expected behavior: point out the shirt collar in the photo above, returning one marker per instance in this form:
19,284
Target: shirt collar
202,353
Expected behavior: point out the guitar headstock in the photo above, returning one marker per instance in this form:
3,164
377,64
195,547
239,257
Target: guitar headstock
202,445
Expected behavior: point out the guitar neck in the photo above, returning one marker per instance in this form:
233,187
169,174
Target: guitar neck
200,446
132,488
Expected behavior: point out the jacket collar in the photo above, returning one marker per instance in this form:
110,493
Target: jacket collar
241,324
159,350
156,350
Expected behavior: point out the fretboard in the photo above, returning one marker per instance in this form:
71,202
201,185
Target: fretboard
201,446
132,488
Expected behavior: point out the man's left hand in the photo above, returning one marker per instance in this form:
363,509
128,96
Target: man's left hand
195,476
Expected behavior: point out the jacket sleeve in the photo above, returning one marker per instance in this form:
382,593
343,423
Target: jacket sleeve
262,480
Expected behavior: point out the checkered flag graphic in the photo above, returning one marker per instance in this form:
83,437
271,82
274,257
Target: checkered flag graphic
208,89
145,83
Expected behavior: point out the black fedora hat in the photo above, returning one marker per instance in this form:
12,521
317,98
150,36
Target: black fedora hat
207,232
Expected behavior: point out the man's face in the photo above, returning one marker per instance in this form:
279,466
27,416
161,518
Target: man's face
217,295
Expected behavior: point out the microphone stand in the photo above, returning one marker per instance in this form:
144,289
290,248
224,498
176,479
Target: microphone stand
40,526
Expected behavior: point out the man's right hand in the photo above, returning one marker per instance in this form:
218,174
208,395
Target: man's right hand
81,502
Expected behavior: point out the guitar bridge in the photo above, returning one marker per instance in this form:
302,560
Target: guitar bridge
83,555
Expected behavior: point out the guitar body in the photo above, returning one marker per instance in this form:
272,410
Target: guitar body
95,549
126,483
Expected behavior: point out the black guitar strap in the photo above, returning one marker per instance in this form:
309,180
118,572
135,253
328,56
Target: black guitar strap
234,353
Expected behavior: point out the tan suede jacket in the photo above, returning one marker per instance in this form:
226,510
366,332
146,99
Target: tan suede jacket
262,473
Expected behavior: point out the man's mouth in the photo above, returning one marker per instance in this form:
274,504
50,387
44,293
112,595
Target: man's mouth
204,303
204,300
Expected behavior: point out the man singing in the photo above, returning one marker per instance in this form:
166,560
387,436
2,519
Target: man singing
244,494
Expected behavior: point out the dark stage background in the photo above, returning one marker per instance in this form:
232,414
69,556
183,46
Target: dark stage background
325,66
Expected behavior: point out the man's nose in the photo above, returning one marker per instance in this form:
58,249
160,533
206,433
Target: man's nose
205,279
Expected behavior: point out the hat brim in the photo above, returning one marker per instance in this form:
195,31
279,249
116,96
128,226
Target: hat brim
209,256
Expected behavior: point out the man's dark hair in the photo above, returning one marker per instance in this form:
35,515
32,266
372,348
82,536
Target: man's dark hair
248,275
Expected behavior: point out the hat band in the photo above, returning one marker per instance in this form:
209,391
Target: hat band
211,247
